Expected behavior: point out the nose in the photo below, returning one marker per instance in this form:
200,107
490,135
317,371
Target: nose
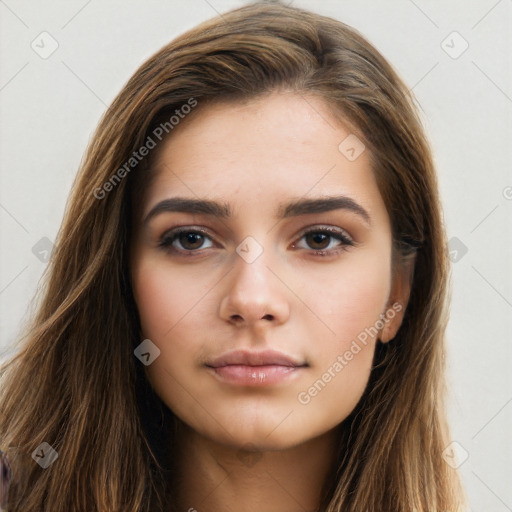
255,296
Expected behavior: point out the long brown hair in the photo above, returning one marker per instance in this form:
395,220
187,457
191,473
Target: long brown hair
75,383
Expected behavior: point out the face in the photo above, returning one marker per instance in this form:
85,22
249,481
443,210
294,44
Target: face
266,312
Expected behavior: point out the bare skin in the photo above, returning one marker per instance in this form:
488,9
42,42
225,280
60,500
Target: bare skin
200,298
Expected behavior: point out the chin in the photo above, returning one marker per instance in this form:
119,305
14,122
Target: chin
263,435
264,443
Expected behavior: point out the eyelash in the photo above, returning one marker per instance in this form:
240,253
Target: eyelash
169,237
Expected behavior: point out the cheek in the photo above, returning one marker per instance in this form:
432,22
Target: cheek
165,298
350,306
356,303
169,304
350,299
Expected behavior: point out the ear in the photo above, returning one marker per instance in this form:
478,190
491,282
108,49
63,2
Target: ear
402,279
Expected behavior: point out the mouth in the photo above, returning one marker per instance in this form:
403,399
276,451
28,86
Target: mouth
248,368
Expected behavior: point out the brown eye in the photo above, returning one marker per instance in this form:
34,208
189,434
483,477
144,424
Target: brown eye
184,240
190,240
318,240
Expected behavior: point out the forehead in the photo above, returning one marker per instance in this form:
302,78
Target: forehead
275,146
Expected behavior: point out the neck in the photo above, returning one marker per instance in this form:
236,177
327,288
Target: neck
215,477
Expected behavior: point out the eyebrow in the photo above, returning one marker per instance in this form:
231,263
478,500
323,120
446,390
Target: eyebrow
292,209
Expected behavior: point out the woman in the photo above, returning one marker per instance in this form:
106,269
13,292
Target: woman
199,345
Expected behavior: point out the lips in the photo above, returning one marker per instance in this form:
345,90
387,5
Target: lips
247,358
249,368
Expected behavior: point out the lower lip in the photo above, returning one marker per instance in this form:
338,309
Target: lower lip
243,375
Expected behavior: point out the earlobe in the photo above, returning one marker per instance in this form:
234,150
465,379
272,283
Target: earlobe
398,299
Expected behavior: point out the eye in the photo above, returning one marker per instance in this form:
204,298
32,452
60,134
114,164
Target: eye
327,240
184,240
323,241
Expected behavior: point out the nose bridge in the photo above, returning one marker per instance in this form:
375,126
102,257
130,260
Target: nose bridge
254,292
251,272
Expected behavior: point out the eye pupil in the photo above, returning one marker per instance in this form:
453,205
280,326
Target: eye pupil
318,238
191,238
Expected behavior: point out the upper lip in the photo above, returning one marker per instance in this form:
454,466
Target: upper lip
251,358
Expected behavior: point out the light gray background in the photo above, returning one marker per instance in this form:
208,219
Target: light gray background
50,107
